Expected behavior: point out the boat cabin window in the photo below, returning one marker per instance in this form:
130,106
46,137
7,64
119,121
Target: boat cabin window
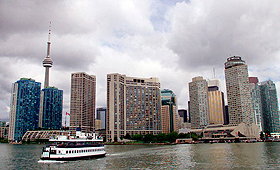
53,152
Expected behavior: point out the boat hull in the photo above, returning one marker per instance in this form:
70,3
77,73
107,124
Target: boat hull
73,158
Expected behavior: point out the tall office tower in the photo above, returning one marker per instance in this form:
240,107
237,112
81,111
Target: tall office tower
199,112
47,63
215,102
101,115
238,92
270,107
184,114
82,107
133,106
169,112
25,104
256,101
50,116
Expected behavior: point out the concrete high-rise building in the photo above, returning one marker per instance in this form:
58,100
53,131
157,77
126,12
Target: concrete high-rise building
238,92
101,115
270,109
83,99
216,103
199,111
133,106
50,116
25,104
169,112
47,63
256,101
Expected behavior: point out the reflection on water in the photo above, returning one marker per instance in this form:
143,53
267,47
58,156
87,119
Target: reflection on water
199,156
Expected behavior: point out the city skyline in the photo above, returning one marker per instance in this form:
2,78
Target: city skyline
160,39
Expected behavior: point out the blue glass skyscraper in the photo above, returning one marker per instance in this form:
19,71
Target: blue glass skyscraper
270,107
51,108
25,103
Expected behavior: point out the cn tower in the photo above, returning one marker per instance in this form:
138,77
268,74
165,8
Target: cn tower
47,63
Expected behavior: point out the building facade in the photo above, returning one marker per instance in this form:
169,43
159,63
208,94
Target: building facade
238,92
101,115
215,102
25,104
169,112
83,99
4,130
51,103
270,109
256,101
133,106
184,114
199,111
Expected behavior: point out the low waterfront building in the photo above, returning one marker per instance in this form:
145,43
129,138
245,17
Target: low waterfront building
41,134
224,132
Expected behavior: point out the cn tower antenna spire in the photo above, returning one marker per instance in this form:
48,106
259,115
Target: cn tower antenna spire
47,63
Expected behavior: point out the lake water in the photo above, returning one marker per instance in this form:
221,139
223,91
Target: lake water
194,156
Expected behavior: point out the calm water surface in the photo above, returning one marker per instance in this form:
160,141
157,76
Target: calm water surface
198,156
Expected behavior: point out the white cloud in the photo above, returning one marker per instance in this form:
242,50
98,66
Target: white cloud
171,40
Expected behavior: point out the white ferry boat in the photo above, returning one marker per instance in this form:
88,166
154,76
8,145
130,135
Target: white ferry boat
66,147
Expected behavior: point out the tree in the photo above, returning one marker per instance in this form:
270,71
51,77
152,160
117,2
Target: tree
171,137
127,136
194,136
137,137
149,138
183,135
161,137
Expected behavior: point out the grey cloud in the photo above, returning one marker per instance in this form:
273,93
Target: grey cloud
205,33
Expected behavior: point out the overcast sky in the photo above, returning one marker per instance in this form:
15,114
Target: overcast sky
172,40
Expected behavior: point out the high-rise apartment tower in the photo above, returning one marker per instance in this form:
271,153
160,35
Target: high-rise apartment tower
82,107
133,106
199,111
238,92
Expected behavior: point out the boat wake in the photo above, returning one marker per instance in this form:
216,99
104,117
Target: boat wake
50,161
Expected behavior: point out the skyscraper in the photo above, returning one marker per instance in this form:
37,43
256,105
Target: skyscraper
50,116
270,107
25,103
238,92
199,111
169,112
83,99
184,114
215,102
256,101
47,63
101,115
133,106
